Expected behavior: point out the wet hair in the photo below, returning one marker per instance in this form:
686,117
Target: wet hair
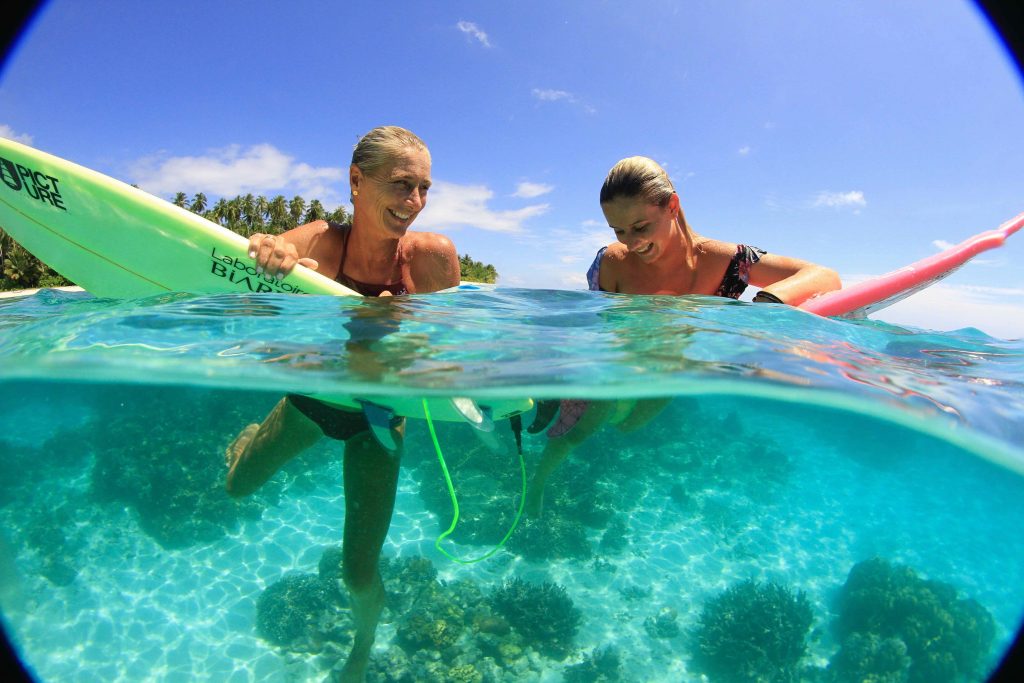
382,145
640,177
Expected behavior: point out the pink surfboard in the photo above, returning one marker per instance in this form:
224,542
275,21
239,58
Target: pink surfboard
861,299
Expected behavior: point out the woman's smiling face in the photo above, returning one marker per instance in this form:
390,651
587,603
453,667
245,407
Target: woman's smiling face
644,228
393,196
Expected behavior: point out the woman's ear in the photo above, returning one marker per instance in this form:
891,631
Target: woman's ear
355,178
673,203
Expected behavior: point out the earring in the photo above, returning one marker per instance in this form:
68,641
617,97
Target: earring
355,193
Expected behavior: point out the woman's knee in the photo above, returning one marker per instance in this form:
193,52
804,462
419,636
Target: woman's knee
359,575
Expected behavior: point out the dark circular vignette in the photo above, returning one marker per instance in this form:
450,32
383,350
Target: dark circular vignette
1007,20
19,17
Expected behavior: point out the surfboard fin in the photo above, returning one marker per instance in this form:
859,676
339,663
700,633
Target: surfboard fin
480,418
384,426
477,416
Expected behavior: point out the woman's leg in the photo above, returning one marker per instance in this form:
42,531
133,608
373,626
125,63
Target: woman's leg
260,450
643,412
558,449
371,483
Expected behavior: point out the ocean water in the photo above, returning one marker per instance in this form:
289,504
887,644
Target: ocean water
807,500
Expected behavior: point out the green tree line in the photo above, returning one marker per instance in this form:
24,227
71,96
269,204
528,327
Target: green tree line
474,271
244,214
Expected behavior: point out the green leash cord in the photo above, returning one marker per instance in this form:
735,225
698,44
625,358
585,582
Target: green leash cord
455,502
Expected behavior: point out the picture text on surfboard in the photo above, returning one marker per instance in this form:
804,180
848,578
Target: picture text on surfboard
36,184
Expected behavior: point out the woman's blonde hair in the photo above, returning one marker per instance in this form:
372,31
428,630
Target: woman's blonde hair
640,177
382,145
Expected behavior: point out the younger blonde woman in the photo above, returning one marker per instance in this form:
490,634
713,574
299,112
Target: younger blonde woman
657,252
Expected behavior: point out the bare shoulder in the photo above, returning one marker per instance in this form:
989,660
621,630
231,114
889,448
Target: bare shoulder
316,240
432,260
309,236
716,248
425,244
309,230
613,267
616,252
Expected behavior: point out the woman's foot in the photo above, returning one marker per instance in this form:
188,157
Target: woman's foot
261,450
366,609
234,452
234,458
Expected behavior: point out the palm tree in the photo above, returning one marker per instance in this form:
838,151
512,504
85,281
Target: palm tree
234,214
262,210
198,203
296,207
339,215
476,271
278,214
253,221
180,199
315,212
218,212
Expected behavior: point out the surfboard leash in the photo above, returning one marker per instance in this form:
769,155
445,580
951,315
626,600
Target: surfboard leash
455,501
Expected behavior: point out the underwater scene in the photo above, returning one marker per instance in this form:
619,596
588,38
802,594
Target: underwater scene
755,493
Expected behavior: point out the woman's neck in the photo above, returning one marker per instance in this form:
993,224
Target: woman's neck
688,246
676,272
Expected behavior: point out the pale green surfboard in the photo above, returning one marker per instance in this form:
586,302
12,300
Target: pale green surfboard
118,241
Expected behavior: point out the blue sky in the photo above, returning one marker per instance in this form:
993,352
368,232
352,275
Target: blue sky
861,135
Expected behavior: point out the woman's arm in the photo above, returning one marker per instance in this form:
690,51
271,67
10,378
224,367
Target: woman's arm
792,280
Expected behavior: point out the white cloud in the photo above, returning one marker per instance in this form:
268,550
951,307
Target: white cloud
567,254
997,311
839,200
577,247
549,95
473,31
528,190
8,132
772,203
452,205
942,245
743,151
260,169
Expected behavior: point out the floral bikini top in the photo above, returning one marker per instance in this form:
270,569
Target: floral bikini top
737,274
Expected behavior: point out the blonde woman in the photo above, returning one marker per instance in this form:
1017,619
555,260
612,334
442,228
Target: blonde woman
376,255
657,252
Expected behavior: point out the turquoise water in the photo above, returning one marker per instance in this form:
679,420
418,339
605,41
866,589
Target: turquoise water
784,452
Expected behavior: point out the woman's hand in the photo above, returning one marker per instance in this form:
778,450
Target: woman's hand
275,256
